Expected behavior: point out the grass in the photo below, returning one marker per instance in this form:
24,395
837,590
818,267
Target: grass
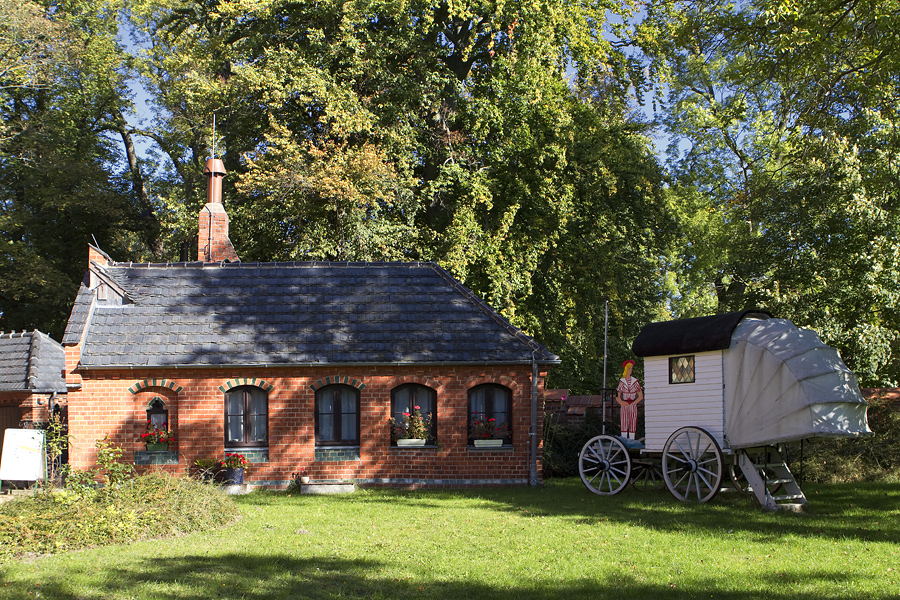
556,541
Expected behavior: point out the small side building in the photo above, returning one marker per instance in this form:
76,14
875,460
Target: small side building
32,385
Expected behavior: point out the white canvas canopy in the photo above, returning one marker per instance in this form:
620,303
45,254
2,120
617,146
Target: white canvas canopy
783,384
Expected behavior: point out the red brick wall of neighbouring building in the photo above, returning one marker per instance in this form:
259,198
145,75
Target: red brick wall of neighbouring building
106,405
33,409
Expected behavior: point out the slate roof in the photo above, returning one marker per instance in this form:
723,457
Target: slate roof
687,336
291,314
31,361
577,405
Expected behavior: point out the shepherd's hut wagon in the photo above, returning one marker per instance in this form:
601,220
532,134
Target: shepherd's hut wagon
721,395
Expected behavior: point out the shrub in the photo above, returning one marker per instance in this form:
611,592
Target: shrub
872,458
149,506
563,442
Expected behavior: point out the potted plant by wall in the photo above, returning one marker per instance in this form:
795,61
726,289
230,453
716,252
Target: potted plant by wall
413,430
157,437
303,475
206,469
233,467
486,432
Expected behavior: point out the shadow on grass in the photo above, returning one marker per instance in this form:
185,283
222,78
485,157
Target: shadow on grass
868,512
281,576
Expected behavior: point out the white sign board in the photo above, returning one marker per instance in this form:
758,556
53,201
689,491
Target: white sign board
23,455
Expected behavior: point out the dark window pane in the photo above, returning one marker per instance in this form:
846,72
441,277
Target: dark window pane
337,415
326,428
246,416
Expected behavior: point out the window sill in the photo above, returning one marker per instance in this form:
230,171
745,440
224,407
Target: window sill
336,453
253,455
169,457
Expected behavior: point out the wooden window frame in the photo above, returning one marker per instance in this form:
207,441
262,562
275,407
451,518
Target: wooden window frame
490,408
157,406
415,390
672,361
336,388
246,415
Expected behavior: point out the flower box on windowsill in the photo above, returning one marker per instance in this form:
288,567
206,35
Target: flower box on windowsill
410,443
490,443
157,447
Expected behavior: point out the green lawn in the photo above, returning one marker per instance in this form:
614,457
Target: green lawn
559,541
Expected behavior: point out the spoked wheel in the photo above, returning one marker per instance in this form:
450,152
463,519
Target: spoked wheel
604,465
693,464
647,476
739,480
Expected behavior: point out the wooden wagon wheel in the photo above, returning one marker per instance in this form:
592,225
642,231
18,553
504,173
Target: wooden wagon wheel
647,476
604,465
693,464
739,480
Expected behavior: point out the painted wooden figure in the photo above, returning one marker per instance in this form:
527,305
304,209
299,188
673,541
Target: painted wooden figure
628,395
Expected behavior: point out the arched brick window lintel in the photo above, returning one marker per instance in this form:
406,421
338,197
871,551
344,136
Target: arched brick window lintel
426,381
337,379
155,383
241,381
501,380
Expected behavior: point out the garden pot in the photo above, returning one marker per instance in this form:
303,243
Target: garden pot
410,442
234,476
157,447
488,443
304,479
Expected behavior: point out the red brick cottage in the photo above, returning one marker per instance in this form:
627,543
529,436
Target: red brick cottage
31,381
300,365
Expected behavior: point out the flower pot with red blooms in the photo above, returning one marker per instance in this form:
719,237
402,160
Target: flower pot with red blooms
233,467
487,432
413,430
157,437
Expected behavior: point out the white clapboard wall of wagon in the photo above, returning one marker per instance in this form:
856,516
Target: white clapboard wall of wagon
670,406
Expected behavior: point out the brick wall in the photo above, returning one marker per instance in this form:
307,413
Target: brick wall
213,243
33,409
114,403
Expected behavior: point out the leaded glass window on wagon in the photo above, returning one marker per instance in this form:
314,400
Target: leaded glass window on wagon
681,369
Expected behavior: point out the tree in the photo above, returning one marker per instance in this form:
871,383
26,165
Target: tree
790,114
62,179
493,138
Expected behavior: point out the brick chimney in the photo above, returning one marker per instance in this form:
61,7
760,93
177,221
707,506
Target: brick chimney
213,244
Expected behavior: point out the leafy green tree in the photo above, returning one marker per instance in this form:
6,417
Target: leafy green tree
493,138
783,116
63,178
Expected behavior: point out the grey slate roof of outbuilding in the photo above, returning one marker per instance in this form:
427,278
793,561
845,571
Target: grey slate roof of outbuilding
291,314
31,361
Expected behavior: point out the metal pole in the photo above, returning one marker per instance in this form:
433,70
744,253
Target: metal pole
605,336
534,420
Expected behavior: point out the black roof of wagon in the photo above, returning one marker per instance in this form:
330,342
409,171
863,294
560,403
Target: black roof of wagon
687,336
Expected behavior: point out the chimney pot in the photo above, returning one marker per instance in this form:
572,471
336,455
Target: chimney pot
213,244
215,172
